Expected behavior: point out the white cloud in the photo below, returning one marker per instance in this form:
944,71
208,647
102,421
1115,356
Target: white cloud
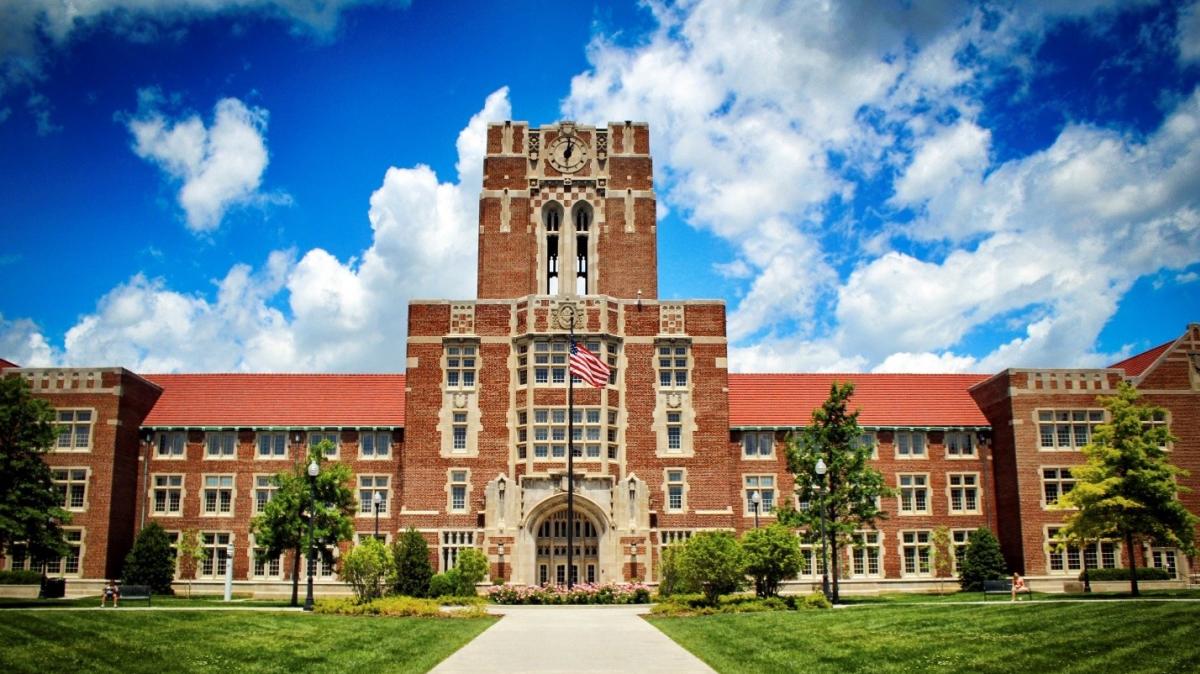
219,167
341,316
1188,36
905,362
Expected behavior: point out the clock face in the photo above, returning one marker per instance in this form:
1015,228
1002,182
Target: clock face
568,154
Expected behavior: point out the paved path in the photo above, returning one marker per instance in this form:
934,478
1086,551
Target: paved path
585,639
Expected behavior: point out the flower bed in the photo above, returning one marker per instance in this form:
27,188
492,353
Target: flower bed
393,606
583,593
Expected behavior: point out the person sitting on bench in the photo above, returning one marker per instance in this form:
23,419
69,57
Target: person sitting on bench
1018,585
111,591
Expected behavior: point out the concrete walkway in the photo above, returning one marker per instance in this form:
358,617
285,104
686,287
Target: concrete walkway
546,639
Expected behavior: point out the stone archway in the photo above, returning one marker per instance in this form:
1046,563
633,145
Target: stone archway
550,545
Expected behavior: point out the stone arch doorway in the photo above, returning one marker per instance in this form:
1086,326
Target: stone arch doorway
550,549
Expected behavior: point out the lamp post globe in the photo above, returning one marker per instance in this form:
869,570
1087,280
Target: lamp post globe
378,502
756,500
314,469
821,470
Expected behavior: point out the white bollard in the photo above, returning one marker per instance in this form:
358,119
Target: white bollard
229,572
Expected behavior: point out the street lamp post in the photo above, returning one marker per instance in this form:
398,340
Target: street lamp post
313,471
757,501
821,470
633,549
378,507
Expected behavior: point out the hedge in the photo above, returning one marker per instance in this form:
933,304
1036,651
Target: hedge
20,578
1123,574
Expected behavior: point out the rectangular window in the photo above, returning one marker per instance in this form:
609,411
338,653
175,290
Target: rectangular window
675,488
375,444
218,494
71,484
1166,559
1160,419
1055,483
674,431
550,432
1069,559
764,487
370,486
758,444
266,567
915,553
964,492
1067,430
672,366
910,444
460,366
866,554
959,538
451,542
272,445
460,431
812,566
317,437
216,553
959,445
264,491
458,491
74,430
168,494
914,493
550,362
869,440
172,445
222,445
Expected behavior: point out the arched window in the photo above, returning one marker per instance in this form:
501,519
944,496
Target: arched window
552,219
583,227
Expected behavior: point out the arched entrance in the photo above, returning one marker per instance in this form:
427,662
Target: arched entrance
550,559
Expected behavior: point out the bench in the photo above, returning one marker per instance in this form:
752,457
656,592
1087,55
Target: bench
997,587
135,592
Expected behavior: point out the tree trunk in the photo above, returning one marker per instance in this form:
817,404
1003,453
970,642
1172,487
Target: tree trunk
296,577
1133,584
836,567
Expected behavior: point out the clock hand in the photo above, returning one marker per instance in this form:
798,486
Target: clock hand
570,145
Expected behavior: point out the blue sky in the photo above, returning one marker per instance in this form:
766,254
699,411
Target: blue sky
261,185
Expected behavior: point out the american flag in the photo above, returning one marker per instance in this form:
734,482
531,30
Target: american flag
586,366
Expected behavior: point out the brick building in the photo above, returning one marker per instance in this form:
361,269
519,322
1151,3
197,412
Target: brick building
469,445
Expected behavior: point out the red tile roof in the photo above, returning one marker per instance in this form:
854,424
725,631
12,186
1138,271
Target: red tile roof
278,400
1135,365
5,363
781,400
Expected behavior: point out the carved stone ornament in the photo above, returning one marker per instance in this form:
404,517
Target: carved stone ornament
566,315
460,400
674,400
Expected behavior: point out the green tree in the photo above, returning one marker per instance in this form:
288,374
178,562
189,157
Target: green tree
369,569
670,582
413,570
712,561
151,561
981,560
190,553
1127,489
850,489
30,505
472,568
283,525
943,553
772,554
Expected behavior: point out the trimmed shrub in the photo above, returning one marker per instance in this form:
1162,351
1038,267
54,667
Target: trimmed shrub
20,578
1123,574
472,568
981,561
369,570
772,554
445,584
814,600
392,607
672,583
151,561
413,570
713,561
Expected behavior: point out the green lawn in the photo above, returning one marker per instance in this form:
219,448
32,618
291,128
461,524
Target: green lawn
954,597
186,641
157,601
1118,637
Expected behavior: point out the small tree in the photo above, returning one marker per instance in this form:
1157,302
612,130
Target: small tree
847,494
30,511
772,554
413,570
369,569
943,554
283,525
190,553
713,562
670,581
472,568
981,560
1127,489
151,562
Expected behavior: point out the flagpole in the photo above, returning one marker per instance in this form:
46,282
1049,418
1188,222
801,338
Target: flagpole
570,458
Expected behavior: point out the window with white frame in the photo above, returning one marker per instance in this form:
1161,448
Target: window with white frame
170,445
460,365
1067,430
959,539
812,566
214,544
914,493
672,366
168,495
325,564
764,487
264,566
173,537
264,490
550,362
1069,559
74,430
612,434
272,445
19,558
375,444
1165,559
71,484
910,444
669,537
674,431
1159,418
222,444
866,554
317,437
587,432
758,444
916,553
964,492
459,429
959,444
451,542
218,495
869,440
1056,482
458,491
675,489
370,486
